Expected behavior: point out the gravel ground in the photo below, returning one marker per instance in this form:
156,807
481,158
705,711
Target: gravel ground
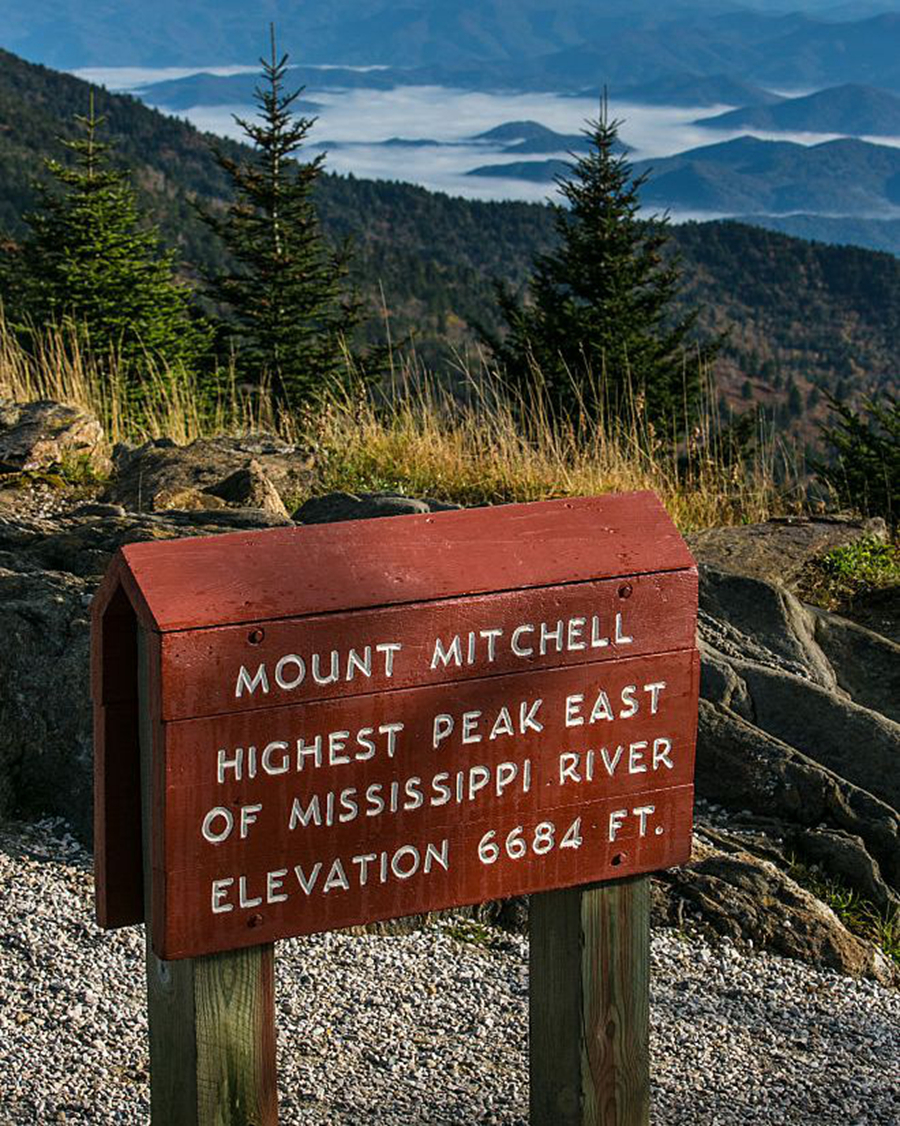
424,1028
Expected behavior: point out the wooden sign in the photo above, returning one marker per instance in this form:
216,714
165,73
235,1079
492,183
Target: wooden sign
348,723
349,762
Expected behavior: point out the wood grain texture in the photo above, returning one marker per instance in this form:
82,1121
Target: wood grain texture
235,1015
589,1005
211,1020
201,667
443,809
191,928
615,1061
291,572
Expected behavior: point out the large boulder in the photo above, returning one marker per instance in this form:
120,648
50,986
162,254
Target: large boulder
751,900
778,550
254,471
39,436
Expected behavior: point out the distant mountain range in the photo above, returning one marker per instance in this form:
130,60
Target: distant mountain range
690,90
751,176
510,137
532,137
848,177
857,111
562,45
532,171
674,89
204,89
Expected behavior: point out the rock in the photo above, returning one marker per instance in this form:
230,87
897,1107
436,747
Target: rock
49,570
799,720
45,714
96,509
748,899
778,550
747,619
84,544
846,856
250,488
867,666
854,742
347,506
44,435
161,475
184,499
742,767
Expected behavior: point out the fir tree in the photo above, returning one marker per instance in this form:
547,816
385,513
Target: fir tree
864,468
92,262
598,333
291,313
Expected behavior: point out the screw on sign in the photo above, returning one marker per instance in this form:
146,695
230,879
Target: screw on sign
315,727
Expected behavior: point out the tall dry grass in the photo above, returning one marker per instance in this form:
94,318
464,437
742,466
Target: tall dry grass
421,441
56,366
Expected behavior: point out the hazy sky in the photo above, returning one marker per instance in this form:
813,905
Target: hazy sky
357,118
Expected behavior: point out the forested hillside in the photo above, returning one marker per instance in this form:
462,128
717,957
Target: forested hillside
800,315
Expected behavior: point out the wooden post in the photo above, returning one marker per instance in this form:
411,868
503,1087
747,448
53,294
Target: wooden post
211,1019
589,1005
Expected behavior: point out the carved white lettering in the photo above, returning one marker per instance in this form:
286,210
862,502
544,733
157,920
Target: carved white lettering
363,664
299,671
224,817
444,656
219,891
260,680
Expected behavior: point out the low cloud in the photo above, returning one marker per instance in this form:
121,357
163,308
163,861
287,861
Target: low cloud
361,118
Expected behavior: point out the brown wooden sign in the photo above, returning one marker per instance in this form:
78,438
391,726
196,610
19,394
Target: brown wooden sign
365,720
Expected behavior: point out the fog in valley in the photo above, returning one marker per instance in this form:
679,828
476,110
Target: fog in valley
352,124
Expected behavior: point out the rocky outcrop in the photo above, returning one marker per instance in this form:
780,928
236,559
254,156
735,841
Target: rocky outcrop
258,471
362,506
780,730
778,550
751,900
799,732
45,435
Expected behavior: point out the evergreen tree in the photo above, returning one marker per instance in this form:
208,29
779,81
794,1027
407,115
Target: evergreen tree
291,314
92,261
598,333
864,468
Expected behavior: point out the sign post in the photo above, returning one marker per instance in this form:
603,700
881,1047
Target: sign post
589,1011
211,1019
310,728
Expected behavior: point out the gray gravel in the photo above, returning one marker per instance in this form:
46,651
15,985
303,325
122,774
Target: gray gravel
428,1028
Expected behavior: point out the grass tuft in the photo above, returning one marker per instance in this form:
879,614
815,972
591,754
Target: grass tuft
844,574
858,914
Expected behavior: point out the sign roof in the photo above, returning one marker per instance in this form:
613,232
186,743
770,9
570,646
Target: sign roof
293,571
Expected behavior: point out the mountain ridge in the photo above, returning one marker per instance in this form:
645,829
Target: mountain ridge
486,44
851,109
